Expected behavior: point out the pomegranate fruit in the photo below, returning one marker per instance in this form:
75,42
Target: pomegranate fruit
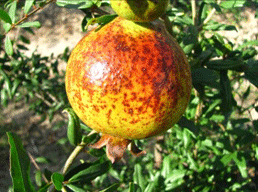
139,10
128,81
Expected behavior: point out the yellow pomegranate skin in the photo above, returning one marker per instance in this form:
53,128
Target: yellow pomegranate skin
128,80
139,10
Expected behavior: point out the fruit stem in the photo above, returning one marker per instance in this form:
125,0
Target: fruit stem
78,149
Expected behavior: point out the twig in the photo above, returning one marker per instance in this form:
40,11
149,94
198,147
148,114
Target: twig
199,107
168,24
37,167
208,18
72,156
43,99
96,9
194,11
26,16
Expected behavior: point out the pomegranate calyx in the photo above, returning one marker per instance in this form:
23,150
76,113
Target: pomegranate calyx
116,147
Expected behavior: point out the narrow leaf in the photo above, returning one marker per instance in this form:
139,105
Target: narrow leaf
175,175
12,11
8,46
111,188
28,5
38,178
91,173
252,72
44,188
75,188
20,165
102,20
138,176
8,84
5,17
241,164
226,93
73,129
134,187
36,24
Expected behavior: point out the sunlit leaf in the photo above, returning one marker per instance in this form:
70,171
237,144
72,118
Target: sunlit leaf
8,46
20,165
28,5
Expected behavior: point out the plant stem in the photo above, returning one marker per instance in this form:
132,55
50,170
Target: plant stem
73,155
26,16
208,18
194,12
37,167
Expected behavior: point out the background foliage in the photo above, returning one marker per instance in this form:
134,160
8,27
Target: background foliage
212,148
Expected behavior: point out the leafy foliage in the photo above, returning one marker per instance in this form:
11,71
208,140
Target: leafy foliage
213,148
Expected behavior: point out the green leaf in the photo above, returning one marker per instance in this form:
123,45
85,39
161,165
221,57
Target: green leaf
8,84
74,188
138,177
226,159
154,183
73,129
57,180
111,188
175,175
4,97
8,46
187,137
28,5
193,163
220,27
44,188
72,4
36,24
248,43
226,93
76,170
203,13
205,76
15,86
38,178
91,173
20,165
232,4
227,64
241,164
216,6
252,72
102,20
41,160
134,187
12,11
166,170
7,27
5,17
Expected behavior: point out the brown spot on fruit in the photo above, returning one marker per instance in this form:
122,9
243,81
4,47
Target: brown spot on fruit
128,80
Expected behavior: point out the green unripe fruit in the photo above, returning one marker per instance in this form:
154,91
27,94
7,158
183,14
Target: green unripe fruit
139,10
